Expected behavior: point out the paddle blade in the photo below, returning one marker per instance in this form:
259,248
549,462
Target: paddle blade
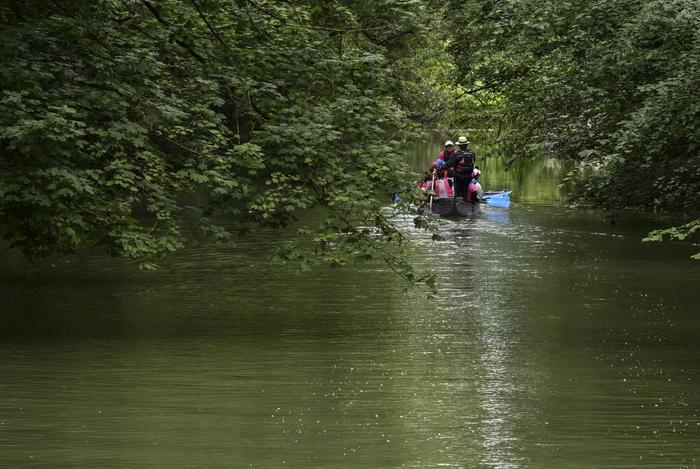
490,195
498,201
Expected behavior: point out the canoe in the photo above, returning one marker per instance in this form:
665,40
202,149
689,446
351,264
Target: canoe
457,207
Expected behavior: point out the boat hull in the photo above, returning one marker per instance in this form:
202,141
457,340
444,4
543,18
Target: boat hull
458,207
455,208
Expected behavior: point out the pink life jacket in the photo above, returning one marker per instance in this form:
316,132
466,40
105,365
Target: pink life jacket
443,188
473,192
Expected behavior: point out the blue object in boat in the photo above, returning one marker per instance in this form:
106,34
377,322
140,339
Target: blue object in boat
499,202
498,199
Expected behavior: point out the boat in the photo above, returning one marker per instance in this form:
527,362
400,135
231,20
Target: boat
458,207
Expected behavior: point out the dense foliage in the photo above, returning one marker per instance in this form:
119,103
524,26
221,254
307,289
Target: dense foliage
134,125
612,85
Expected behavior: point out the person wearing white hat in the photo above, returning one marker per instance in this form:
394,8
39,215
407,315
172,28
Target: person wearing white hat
448,152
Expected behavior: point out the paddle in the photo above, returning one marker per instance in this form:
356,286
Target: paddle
432,188
499,199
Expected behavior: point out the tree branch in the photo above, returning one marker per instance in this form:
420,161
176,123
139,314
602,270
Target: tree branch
59,6
267,12
179,42
211,28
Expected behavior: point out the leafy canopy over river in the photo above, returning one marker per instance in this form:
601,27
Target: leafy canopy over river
133,126
609,85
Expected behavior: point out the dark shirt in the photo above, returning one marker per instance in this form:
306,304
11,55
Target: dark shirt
461,161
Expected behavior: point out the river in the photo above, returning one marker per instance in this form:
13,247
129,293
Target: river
557,340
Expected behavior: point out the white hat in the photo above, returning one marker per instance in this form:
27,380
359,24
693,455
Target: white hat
462,141
449,143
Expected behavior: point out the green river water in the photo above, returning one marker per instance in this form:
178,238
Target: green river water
558,340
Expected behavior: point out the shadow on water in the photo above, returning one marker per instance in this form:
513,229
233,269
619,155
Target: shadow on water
209,291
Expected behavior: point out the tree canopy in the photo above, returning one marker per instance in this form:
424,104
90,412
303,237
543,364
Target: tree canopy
133,126
608,84
129,125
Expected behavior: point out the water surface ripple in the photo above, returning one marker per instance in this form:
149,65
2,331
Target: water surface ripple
556,341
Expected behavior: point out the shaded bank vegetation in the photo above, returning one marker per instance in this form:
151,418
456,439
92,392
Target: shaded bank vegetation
609,85
133,125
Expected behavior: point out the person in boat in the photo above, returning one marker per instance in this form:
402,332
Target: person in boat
437,180
468,157
443,183
439,172
435,168
449,151
438,167
474,189
475,175
462,164
473,192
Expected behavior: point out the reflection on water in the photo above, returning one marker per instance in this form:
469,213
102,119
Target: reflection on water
556,341
499,389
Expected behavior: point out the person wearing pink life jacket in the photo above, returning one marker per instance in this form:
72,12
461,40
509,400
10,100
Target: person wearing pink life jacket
437,166
442,184
448,152
442,190
473,191
475,175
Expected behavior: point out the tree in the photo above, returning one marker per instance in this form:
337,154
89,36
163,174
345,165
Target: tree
134,125
610,85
